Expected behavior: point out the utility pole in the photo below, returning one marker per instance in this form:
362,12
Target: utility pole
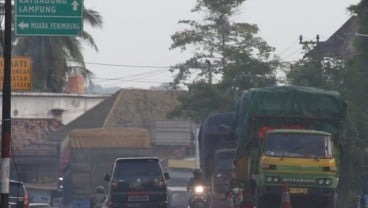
305,43
209,67
6,119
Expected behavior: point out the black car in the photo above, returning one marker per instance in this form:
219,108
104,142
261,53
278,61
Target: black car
18,197
137,182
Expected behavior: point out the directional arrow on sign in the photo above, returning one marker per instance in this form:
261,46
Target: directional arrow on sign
67,17
23,25
75,5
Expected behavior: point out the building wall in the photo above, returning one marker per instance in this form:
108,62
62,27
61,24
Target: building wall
40,105
169,132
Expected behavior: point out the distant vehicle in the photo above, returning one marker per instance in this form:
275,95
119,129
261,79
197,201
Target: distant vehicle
39,205
18,197
136,182
217,151
223,170
178,197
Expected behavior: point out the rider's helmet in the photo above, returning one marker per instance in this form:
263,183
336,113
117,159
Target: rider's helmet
100,190
197,173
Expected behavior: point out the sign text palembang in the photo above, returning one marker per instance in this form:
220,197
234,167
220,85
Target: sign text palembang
21,73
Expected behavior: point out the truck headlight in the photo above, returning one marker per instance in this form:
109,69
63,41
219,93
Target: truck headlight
324,181
272,179
269,179
276,179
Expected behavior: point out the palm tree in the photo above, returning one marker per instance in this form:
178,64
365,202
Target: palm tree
54,57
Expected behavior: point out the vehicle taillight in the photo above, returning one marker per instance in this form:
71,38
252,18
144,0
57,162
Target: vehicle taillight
114,184
25,201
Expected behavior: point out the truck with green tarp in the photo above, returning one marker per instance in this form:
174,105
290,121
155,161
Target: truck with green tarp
289,135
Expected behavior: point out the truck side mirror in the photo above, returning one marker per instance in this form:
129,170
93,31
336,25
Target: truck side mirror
107,177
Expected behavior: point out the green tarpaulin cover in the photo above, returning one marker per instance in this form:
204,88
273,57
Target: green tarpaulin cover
283,106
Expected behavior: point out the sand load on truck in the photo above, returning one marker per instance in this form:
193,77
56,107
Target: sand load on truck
90,153
294,107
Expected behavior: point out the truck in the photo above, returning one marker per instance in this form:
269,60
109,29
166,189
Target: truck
289,136
87,155
217,151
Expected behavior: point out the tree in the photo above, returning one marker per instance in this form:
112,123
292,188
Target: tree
221,50
349,77
315,70
54,57
201,100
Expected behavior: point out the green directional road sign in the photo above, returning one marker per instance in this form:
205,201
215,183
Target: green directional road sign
49,17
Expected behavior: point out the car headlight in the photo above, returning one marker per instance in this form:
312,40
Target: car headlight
198,189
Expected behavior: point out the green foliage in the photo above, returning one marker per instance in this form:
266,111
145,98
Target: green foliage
201,100
317,71
349,77
227,54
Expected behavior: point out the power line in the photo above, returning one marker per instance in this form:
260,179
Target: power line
291,54
135,75
287,48
129,66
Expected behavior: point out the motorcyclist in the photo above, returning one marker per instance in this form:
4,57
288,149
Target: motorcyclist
202,199
99,198
196,179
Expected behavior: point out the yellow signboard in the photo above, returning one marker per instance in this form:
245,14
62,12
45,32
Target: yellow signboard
21,73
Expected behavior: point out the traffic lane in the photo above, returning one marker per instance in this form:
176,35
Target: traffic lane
220,201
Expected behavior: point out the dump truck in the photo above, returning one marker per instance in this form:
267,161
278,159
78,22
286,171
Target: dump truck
289,136
217,151
88,154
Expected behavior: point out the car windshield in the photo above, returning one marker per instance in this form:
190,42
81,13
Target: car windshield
298,145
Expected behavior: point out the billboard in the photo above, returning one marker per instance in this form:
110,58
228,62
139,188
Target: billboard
21,73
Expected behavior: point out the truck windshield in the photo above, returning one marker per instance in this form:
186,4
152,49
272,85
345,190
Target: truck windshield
298,145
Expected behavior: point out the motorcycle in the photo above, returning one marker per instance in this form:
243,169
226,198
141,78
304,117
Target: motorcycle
199,197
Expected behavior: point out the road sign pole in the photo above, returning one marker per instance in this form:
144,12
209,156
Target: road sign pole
6,119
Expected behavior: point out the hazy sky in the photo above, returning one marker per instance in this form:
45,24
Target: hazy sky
137,33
